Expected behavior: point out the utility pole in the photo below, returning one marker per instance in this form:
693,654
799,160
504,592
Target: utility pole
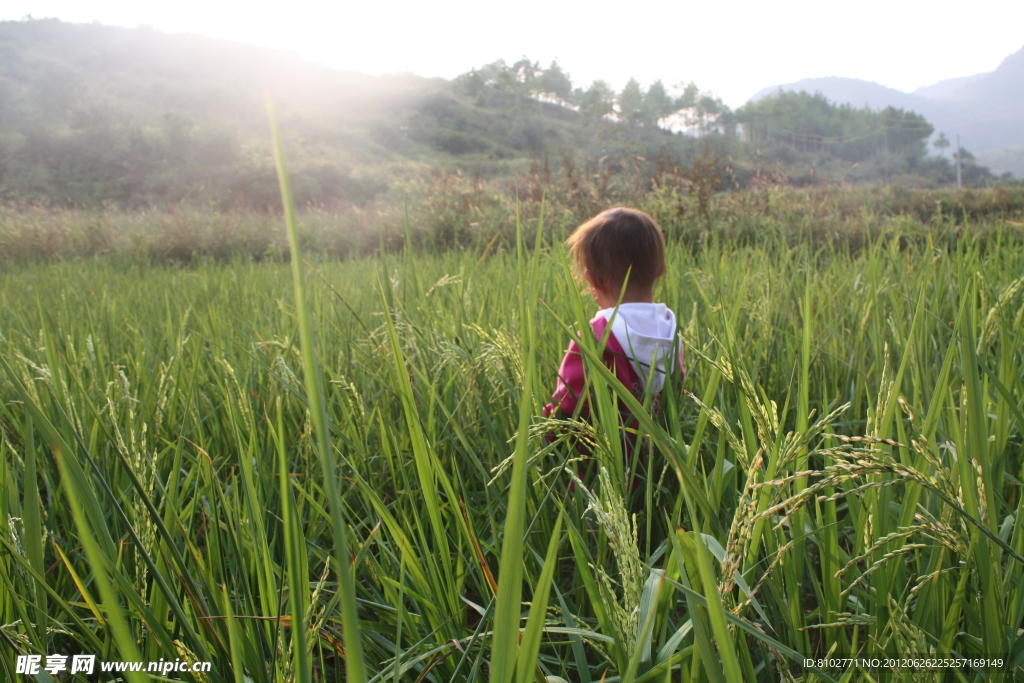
959,153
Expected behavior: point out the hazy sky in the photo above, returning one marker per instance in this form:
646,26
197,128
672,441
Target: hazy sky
732,48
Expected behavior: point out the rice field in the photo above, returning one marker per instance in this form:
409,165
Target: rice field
337,471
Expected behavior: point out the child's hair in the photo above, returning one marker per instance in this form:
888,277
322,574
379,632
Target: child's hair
618,241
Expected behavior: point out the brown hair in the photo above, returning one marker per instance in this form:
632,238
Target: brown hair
613,242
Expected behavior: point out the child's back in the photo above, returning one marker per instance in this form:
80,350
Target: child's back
639,351
621,252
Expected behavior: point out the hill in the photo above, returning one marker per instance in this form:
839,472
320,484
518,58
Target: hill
946,86
99,114
94,115
852,91
984,109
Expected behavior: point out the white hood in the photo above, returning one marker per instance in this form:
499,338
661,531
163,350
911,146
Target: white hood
646,332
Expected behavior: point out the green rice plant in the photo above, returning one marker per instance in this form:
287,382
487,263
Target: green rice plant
314,394
838,474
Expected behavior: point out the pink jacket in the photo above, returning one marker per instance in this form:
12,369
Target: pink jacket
646,330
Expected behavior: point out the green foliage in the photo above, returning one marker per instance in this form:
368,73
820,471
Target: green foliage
597,101
816,140
657,104
161,469
631,102
555,81
451,211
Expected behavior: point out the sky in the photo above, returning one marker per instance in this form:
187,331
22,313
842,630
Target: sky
733,49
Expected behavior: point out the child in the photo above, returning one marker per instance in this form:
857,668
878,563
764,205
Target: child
606,248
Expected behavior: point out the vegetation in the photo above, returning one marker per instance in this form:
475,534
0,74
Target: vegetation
335,469
455,212
838,474
844,143
96,116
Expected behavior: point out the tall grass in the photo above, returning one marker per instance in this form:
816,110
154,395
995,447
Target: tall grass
838,474
437,212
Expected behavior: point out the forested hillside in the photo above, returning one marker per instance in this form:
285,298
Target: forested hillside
94,115
985,109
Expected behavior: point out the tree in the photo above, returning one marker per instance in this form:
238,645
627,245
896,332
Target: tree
689,97
941,143
906,133
502,78
708,109
657,104
687,103
805,122
555,81
597,101
526,71
631,101
470,84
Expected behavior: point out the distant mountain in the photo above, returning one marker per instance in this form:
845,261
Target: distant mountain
986,110
1004,87
947,86
1008,159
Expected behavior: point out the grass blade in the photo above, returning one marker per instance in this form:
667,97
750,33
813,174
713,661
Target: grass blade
354,667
